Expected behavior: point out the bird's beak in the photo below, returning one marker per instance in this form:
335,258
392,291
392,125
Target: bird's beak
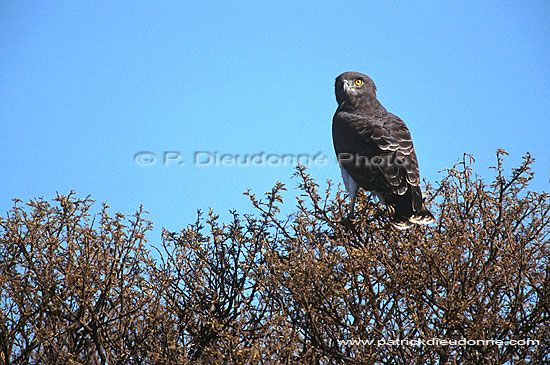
346,87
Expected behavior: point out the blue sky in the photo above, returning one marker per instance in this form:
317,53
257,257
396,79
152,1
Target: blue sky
84,87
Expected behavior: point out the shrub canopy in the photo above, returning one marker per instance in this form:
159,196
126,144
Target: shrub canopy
318,286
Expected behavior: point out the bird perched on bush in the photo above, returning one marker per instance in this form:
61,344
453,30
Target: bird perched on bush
375,151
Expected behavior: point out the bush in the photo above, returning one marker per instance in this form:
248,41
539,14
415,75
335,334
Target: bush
319,286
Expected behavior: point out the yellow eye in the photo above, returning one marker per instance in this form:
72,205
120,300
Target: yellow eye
358,82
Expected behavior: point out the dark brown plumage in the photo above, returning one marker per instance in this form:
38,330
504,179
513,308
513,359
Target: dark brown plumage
375,151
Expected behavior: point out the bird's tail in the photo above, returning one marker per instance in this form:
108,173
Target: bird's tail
408,209
400,223
423,216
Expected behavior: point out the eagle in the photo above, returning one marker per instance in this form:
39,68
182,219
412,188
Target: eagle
375,152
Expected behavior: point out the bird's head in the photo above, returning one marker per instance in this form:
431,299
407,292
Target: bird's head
353,86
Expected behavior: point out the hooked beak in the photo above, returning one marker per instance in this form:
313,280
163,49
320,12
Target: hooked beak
346,86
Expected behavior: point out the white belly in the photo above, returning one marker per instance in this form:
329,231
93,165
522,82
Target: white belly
352,187
349,183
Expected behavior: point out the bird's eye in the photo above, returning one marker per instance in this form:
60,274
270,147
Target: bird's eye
358,82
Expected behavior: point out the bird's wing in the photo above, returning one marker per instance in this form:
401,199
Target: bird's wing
377,151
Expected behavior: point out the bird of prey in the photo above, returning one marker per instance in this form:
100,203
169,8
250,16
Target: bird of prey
375,151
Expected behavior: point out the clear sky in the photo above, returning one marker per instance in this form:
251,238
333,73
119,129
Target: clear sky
86,86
